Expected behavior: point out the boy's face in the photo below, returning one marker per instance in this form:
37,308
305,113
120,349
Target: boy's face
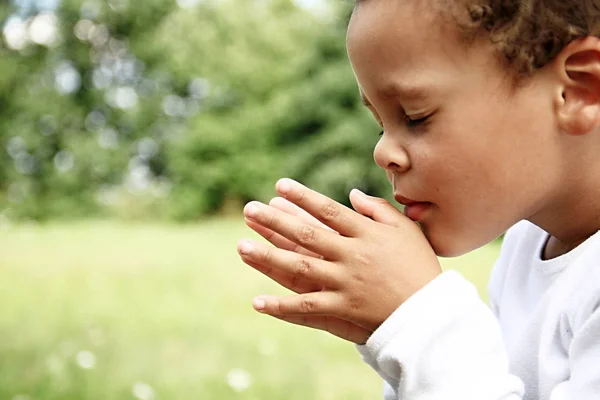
484,158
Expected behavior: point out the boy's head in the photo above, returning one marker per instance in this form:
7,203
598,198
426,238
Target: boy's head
486,108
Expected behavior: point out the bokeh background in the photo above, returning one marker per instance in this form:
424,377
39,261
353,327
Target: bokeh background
131,134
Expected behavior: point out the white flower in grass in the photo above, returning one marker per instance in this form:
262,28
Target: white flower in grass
86,359
143,391
239,380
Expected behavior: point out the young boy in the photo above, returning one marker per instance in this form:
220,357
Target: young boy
490,112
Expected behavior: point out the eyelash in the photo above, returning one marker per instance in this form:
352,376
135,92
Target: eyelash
412,123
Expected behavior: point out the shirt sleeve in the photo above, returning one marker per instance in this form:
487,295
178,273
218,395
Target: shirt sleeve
442,343
584,351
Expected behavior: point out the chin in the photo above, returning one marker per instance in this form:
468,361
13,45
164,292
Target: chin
450,245
446,251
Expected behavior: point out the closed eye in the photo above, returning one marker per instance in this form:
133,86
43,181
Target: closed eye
412,123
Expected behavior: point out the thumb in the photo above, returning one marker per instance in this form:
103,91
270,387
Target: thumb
376,208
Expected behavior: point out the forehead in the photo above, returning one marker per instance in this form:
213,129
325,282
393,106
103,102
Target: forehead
402,43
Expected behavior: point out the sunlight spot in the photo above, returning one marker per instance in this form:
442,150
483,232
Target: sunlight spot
147,148
82,29
308,4
318,7
108,138
199,88
47,4
123,97
15,33
15,146
174,106
98,35
95,120
25,163
90,10
139,176
44,29
188,3
47,125
64,161
67,79
239,380
117,47
102,77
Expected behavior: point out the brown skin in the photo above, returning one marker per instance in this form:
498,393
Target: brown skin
357,277
489,155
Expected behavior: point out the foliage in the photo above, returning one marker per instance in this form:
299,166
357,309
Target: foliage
150,109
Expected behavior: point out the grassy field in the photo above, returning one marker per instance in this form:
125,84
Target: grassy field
103,310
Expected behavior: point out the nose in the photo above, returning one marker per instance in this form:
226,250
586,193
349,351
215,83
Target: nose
391,156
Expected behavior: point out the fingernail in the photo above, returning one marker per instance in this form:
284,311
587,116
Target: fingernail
258,304
284,186
246,247
360,192
251,210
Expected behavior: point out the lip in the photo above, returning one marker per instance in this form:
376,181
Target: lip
415,210
405,201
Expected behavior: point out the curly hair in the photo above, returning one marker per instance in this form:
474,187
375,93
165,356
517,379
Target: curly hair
529,34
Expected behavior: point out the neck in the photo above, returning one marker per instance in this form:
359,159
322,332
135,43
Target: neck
574,214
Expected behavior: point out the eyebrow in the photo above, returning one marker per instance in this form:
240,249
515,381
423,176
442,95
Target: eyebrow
408,92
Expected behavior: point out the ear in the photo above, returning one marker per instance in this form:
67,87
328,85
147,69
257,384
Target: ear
578,99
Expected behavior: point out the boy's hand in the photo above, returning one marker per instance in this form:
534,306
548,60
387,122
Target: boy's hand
361,275
335,326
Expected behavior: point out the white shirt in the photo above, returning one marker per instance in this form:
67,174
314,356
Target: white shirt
540,342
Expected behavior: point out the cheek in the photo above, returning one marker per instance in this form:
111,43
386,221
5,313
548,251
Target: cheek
439,175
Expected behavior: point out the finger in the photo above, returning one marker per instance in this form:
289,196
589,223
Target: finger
324,303
333,214
300,267
317,240
337,327
376,208
278,240
286,280
292,209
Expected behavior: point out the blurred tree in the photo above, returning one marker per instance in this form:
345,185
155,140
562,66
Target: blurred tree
82,104
154,107
287,105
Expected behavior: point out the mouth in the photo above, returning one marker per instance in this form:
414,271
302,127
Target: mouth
415,210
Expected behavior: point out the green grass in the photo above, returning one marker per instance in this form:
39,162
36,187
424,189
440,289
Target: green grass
162,310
